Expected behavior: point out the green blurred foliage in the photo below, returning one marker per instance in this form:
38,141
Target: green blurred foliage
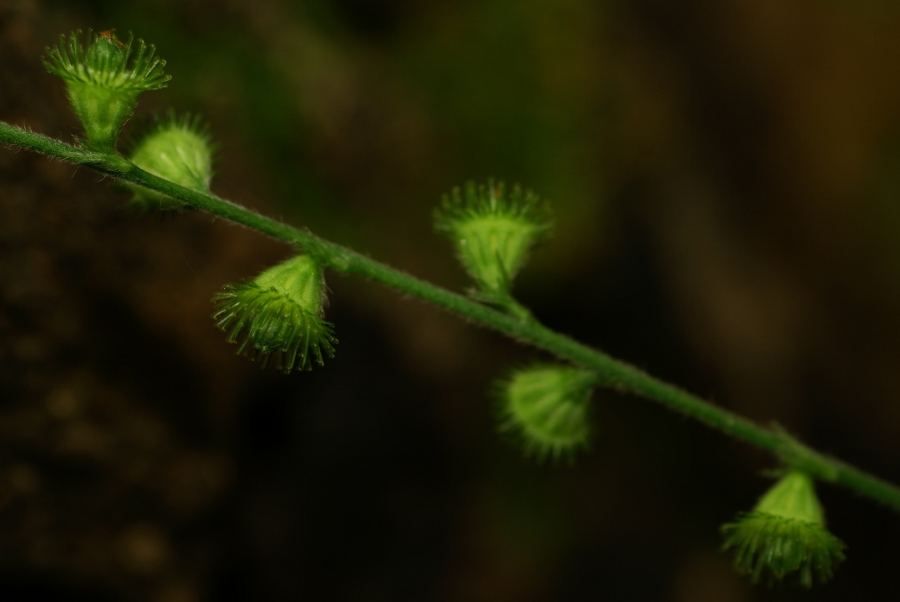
360,115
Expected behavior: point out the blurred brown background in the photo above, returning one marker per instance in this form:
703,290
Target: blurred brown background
725,179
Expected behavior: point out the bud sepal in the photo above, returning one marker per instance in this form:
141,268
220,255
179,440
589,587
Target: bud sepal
785,535
177,148
279,313
493,231
104,78
545,407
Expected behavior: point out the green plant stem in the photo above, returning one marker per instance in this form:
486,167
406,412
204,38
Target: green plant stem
613,373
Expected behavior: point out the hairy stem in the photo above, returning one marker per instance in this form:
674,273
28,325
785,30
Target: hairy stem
613,373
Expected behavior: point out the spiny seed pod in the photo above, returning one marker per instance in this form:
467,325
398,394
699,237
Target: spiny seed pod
546,408
104,79
785,535
279,313
493,231
177,149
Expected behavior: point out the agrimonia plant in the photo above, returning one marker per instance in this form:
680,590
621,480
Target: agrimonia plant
278,316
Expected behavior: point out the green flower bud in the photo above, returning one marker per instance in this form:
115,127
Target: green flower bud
104,80
280,313
546,408
177,149
493,231
785,534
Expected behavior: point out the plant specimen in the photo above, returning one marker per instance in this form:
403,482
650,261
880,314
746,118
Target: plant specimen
279,317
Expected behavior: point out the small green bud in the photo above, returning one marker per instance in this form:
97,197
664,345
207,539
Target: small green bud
104,79
546,407
785,533
177,149
493,231
280,312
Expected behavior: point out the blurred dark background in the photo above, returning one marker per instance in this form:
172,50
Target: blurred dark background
726,180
